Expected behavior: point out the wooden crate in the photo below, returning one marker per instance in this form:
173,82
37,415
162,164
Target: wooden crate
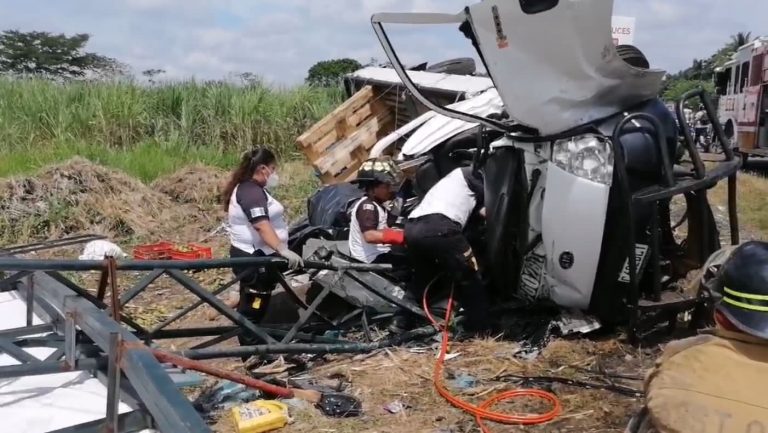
337,145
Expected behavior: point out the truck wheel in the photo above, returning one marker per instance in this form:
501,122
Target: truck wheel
460,66
633,56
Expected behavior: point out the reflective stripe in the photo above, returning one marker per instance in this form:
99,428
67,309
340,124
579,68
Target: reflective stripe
746,295
746,306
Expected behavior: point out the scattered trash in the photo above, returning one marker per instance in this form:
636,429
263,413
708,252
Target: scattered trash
98,249
340,405
531,328
462,381
449,356
260,416
225,395
571,322
297,403
396,407
277,367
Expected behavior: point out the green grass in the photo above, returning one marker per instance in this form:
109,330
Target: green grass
148,131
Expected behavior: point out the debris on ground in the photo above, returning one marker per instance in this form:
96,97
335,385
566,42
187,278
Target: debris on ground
260,416
396,407
199,185
98,249
462,381
224,396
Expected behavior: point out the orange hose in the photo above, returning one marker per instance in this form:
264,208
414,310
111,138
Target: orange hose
483,412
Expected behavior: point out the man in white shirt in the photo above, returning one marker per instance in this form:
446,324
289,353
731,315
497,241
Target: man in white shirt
437,245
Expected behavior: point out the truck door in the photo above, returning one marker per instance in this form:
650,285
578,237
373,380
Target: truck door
762,131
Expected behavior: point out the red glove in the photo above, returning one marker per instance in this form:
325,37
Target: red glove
393,237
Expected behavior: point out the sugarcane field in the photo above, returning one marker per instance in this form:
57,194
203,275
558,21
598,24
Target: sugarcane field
467,216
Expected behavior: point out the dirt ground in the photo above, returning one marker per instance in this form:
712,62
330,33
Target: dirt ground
398,375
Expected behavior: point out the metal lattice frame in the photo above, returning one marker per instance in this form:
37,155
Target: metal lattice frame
88,334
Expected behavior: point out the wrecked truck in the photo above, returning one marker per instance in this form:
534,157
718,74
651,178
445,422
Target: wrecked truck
581,159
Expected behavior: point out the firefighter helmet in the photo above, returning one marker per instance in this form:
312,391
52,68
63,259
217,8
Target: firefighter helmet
379,170
742,283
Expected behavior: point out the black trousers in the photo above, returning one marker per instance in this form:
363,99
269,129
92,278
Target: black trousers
255,291
436,245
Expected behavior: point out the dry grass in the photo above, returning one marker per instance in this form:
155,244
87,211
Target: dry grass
197,184
401,375
752,192
79,196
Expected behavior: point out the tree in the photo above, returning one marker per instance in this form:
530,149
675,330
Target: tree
152,73
740,39
51,56
329,72
679,87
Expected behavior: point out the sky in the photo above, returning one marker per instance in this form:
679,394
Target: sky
280,40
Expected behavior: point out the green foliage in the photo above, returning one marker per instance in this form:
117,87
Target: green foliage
679,87
702,71
150,130
52,56
329,72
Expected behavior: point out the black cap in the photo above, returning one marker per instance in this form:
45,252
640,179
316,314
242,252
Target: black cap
745,288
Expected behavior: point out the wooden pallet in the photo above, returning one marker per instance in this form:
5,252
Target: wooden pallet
338,144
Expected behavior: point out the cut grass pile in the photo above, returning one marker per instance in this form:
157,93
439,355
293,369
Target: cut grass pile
80,196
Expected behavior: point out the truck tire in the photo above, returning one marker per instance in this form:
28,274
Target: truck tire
459,66
633,56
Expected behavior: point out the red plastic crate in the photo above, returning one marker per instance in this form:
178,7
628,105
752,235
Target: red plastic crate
158,251
198,252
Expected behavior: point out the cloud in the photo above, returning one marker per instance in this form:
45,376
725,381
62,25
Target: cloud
281,39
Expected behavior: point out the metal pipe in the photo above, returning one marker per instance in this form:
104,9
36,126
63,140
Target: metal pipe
27,330
248,351
43,368
733,212
56,243
220,330
16,264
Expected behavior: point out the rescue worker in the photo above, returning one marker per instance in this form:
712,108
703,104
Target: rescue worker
370,237
257,228
701,128
716,382
437,245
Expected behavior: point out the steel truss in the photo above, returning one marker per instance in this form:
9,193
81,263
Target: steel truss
91,334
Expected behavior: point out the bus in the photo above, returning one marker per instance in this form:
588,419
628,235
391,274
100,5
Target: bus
742,85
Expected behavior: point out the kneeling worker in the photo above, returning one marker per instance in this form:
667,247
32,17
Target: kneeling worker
437,245
716,382
369,235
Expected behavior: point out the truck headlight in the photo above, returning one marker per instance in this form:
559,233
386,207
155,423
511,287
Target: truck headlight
586,156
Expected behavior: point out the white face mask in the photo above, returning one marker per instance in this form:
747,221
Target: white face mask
272,180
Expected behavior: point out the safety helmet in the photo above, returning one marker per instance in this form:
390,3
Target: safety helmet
379,170
741,283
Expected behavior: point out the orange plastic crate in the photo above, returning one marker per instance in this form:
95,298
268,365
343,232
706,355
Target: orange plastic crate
158,251
197,252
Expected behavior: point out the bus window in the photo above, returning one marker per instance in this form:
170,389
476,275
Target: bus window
756,76
723,81
736,76
744,76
